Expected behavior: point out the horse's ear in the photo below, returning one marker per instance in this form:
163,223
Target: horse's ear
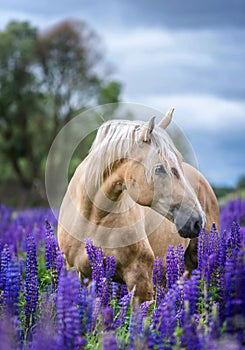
147,130
166,119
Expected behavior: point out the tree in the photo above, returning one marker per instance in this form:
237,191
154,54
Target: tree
69,56
241,183
19,96
44,79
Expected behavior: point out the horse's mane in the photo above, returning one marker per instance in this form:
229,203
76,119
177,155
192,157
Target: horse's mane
115,140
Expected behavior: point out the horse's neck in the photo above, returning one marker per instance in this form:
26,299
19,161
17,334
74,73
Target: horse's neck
95,212
109,197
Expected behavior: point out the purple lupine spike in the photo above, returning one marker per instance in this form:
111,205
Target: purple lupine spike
60,261
109,341
8,334
45,333
124,304
209,270
123,291
108,318
5,259
91,302
192,291
110,270
235,235
234,299
103,291
83,308
132,330
31,282
158,279
171,267
68,318
110,267
190,339
91,251
202,250
180,259
115,288
12,288
214,323
158,272
136,329
96,259
164,320
51,254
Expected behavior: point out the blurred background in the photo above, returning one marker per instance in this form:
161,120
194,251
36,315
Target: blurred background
59,58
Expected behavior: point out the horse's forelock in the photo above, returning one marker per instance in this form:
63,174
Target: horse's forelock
115,140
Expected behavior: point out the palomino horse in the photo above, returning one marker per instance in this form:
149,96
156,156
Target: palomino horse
131,196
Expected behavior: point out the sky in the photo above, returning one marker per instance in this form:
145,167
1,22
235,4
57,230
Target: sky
184,54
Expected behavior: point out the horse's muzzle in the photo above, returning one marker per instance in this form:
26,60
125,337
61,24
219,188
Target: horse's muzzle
191,229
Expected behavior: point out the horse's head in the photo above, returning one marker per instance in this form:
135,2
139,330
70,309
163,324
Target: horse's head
155,178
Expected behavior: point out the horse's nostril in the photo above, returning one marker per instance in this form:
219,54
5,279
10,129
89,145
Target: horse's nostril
197,226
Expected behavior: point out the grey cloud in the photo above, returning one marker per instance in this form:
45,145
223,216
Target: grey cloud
197,63
188,13
173,14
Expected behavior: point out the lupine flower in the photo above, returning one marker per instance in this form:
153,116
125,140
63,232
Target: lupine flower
96,259
5,259
214,322
190,339
109,341
12,288
31,282
171,267
158,279
202,250
124,304
108,318
234,242
234,295
180,259
136,330
205,311
68,318
45,334
164,320
192,291
51,254
103,269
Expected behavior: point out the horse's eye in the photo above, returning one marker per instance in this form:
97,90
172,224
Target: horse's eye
175,173
160,170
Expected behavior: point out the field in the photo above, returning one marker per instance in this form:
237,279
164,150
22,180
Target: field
43,306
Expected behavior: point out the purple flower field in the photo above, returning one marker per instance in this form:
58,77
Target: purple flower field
44,306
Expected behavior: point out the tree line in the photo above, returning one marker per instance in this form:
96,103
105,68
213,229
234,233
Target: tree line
45,78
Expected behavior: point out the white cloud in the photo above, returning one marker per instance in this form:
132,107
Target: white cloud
201,112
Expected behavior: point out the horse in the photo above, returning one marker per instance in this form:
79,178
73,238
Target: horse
132,197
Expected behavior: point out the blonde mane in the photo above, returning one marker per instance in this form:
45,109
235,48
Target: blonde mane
116,139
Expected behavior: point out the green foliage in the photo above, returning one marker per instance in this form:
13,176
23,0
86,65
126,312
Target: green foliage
241,183
110,93
222,191
44,79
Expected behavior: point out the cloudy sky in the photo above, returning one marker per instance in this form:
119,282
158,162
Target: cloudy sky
186,54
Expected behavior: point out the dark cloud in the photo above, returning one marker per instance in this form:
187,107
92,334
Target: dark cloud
188,13
173,14
194,64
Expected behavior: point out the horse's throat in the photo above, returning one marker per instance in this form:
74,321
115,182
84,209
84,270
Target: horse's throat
108,200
